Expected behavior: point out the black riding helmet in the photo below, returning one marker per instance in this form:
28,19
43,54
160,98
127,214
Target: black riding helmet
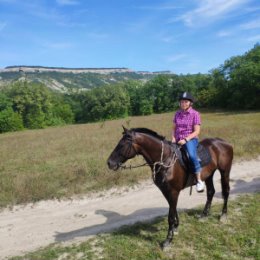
186,96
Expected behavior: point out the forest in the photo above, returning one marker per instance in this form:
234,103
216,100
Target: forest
234,85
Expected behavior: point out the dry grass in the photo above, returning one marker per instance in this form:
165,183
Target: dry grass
61,162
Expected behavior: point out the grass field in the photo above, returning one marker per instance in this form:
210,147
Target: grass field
236,239
61,162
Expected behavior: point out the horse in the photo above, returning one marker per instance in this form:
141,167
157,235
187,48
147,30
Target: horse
168,173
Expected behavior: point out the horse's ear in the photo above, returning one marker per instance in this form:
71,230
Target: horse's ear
125,130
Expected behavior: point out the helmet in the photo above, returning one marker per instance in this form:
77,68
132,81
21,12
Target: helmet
187,96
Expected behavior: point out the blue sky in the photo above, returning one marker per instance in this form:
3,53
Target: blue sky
182,36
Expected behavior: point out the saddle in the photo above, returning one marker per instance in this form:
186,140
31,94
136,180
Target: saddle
204,158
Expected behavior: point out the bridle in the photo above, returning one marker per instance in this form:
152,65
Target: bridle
126,157
128,150
154,165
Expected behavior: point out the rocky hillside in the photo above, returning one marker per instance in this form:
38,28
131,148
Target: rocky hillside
62,79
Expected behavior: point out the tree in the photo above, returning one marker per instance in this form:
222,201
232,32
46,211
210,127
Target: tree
159,90
32,101
10,121
134,89
108,102
38,106
239,80
5,101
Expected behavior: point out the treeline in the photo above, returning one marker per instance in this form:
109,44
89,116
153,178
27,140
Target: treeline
32,106
233,85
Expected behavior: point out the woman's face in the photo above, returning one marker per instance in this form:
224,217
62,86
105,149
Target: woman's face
185,104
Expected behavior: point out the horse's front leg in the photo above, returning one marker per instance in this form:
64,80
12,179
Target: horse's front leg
173,219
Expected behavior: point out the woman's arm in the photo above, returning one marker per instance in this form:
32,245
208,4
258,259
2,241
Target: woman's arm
195,133
190,136
173,133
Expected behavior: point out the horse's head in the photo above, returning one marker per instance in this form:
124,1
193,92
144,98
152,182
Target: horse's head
125,149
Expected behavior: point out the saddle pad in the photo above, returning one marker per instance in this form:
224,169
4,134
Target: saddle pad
203,156
202,152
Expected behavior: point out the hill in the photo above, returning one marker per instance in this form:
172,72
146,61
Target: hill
62,79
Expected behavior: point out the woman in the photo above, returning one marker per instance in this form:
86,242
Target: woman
186,129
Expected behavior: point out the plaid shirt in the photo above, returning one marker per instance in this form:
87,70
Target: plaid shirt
185,122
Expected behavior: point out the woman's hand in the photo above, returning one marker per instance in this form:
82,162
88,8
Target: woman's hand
182,142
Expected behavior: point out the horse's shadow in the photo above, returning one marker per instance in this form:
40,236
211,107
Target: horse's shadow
241,187
115,221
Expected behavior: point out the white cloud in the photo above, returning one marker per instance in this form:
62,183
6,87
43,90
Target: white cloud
7,1
69,24
139,26
98,36
57,45
175,58
167,39
67,2
255,38
2,25
53,15
251,25
223,34
253,9
255,24
161,7
210,10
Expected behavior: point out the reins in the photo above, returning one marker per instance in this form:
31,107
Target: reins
160,163
130,167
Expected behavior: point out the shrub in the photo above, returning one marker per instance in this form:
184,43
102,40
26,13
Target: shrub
10,121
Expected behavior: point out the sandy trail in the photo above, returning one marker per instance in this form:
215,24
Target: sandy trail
27,228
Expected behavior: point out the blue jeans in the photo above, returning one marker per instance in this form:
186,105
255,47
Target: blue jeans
191,148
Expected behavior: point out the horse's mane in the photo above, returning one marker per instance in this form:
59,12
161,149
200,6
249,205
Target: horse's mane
149,132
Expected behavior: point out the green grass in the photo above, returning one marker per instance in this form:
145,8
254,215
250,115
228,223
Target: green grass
64,161
237,238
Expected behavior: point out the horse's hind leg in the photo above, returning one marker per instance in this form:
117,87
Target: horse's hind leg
225,189
210,194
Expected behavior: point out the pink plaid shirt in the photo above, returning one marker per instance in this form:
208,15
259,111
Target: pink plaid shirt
185,122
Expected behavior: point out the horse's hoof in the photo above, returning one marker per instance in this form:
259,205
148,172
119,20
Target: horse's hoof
203,217
223,218
166,244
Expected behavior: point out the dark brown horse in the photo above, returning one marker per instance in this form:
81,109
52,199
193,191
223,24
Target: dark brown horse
168,174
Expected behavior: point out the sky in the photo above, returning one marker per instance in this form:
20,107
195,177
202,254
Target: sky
183,36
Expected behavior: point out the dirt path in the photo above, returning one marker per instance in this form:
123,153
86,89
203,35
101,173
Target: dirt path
26,228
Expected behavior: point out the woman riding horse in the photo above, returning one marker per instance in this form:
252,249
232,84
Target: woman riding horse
168,173
186,130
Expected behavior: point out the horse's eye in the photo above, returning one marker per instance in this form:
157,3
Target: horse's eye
128,137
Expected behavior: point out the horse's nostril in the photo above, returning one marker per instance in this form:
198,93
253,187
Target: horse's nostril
112,165
108,164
